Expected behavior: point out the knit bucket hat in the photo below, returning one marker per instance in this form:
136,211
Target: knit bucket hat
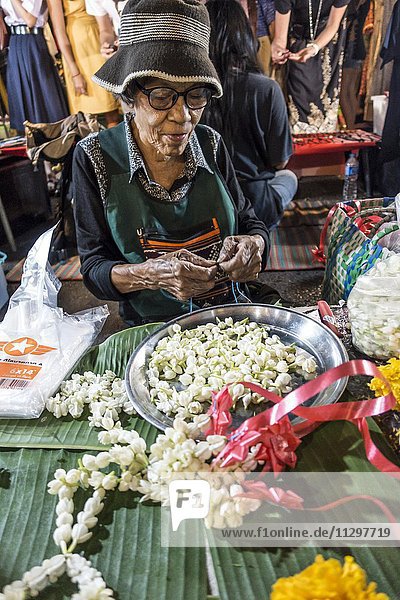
167,39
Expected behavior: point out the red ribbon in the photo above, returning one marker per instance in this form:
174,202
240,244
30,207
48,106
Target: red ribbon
367,224
277,444
318,251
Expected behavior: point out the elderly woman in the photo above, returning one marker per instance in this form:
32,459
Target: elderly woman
162,224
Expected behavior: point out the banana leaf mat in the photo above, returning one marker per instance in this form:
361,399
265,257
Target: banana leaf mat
68,270
126,546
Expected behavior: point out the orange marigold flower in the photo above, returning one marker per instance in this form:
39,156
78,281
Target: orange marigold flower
327,580
392,373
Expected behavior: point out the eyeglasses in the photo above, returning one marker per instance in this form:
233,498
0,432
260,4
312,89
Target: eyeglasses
164,98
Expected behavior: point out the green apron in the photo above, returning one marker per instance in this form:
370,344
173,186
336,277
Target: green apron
144,227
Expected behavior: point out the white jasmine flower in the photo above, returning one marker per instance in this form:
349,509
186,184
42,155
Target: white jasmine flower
54,486
89,462
80,533
122,455
64,519
66,491
110,481
73,476
103,459
96,479
65,505
62,534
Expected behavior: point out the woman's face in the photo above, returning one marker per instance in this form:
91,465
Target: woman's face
165,131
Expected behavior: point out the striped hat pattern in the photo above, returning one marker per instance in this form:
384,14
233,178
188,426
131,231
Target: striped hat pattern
167,39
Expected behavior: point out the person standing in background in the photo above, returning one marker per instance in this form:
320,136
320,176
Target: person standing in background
250,8
34,88
265,32
80,37
309,38
105,11
354,56
251,115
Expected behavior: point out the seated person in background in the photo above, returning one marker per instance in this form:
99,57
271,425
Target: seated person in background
160,215
251,115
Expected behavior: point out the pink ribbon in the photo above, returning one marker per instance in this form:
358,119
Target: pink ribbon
258,490
277,444
219,413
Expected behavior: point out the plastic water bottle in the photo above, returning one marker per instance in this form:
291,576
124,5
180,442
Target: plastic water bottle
350,178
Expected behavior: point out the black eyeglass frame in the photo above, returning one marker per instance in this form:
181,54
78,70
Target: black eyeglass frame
147,92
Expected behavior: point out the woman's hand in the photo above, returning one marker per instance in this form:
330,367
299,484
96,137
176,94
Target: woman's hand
108,41
279,53
79,85
241,256
181,273
303,55
107,49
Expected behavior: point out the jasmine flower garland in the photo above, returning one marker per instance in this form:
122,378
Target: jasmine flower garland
126,465
105,395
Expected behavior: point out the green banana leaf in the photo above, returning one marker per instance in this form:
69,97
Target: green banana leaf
69,433
126,547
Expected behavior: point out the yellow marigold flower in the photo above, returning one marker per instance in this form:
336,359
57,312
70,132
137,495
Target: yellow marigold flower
327,580
392,373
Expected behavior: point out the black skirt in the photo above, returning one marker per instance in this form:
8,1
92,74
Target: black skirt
34,89
313,88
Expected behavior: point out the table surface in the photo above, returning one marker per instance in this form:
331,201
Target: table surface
15,146
326,143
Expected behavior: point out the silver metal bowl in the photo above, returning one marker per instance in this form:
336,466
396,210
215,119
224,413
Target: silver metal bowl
292,327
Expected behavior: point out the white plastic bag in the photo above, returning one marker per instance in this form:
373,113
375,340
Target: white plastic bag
374,309
39,342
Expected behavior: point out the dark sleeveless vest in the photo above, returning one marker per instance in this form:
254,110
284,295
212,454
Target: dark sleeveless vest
144,227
